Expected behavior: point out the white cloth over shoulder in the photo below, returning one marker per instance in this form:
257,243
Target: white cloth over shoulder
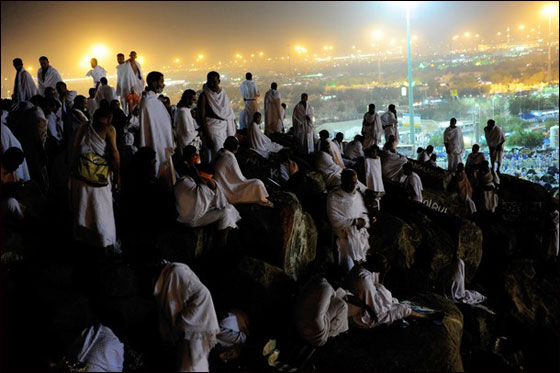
354,150
453,136
102,351
186,315
236,187
335,152
413,183
494,136
105,92
391,165
127,80
25,86
249,92
390,125
10,141
94,221
304,129
320,312
328,168
51,78
343,208
157,133
366,287
372,129
374,180
260,142
273,112
96,74
457,291
223,126
198,205
186,133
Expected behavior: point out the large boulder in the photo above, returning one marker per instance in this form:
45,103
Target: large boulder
284,236
419,347
184,244
432,177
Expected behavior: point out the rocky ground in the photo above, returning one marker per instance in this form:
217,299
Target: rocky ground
50,285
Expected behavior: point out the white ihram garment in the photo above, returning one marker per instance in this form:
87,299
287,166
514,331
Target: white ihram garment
249,93
94,221
156,132
374,180
25,86
223,126
335,153
304,129
10,141
372,130
391,165
187,316
457,291
198,205
414,183
186,133
354,150
343,208
366,287
260,142
391,125
235,186
453,136
273,118
102,351
493,138
96,74
328,168
105,92
128,80
51,78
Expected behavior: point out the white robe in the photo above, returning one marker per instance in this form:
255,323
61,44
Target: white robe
96,74
273,118
414,184
186,133
94,221
102,351
236,187
186,315
10,141
320,312
219,129
105,92
490,197
343,208
198,205
391,125
328,168
372,130
391,165
119,87
493,138
230,333
304,130
92,106
374,179
55,128
51,78
366,287
260,142
453,136
457,292
354,150
127,80
335,152
25,87
249,93
156,132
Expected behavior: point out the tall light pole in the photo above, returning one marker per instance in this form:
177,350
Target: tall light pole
549,10
410,86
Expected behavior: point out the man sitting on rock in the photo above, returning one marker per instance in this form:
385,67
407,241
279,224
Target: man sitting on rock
392,162
326,165
201,201
365,281
355,149
349,219
334,149
236,187
412,183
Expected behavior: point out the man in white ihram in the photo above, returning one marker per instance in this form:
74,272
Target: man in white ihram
273,120
216,114
249,92
454,145
130,78
24,86
495,138
105,92
304,130
372,128
97,72
47,76
155,128
349,219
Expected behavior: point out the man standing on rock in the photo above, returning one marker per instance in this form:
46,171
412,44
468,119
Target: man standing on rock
495,138
349,219
454,145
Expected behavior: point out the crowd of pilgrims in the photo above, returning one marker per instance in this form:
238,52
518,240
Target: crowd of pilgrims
127,151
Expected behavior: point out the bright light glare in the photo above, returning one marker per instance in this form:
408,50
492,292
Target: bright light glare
467,34
377,34
29,68
99,51
521,27
177,60
261,54
550,10
200,56
140,59
408,5
455,37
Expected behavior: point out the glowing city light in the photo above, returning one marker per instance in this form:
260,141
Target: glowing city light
521,27
455,37
238,56
467,35
140,59
177,60
300,49
550,10
99,51
377,34
261,54
29,68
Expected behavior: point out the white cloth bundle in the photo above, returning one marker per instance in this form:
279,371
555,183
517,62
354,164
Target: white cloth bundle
260,142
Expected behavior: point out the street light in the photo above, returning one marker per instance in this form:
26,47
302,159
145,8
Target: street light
549,11
377,35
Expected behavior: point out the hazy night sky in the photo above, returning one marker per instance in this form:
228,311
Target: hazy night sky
163,31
